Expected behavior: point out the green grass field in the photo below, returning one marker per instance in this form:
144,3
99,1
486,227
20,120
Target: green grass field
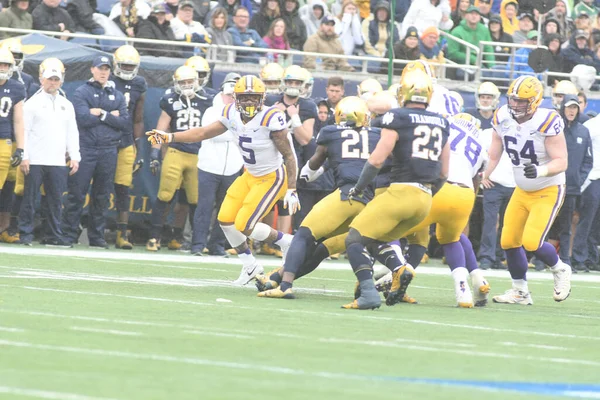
82,325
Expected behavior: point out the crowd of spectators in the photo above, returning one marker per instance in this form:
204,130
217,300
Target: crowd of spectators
343,27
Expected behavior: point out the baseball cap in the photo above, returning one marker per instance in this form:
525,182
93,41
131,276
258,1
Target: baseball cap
328,19
159,8
527,15
583,13
532,34
186,3
581,33
572,102
485,1
100,61
52,73
495,18
473,9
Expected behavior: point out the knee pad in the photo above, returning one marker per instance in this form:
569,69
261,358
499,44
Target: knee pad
353,237
122,197
305,235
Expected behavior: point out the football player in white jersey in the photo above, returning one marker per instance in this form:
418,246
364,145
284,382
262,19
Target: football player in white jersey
534,140
270,170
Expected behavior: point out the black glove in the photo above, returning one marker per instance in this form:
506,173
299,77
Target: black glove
530,171
138,166
155,161
16,158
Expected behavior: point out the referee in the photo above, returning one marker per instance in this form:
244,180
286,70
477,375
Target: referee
50,133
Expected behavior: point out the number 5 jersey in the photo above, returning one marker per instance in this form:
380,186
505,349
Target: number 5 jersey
525,143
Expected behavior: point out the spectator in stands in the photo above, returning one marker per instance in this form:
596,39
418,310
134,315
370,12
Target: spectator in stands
583,22
580,163
585,6
48,16
312,14
508,13
583,102
519,62
201,10
326,41
217,30
497,34
578,52
473,31
559,12
376,30
550,26
430,48
262,20
156,27
348,28
171,6
296,30
16,17
552,41
585,253
459,13
246,37
277,39
526,24
423,14
407,49
219,164
485,9
230,6
128,13
185,28
402,7
82,13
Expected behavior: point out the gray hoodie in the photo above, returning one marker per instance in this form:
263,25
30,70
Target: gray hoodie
308,17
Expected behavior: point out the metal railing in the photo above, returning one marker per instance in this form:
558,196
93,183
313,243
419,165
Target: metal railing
469,47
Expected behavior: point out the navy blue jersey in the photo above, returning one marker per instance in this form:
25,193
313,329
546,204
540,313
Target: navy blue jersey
347,152
486,123
132,91
422,135
31,85
307,109
185,114
11,93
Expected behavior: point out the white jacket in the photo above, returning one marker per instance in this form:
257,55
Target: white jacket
350,32
422,15
219,155
143,10
594,128
50,130
180,29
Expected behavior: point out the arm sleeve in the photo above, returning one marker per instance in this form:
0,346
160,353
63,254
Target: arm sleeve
178,29
369,48
82,111
356,31
73,138
310,46
235,35
456,51
40,22
588,160
28,123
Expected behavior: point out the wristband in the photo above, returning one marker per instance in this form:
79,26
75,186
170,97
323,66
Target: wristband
542,171
296,121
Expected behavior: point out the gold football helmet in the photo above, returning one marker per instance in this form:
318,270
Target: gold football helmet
416,87
126,62
527,88
52,63
352,111
16,48
309,82
293,81
249,93
272,75
489,89
421,65
185,81
6,57
368,88
559,91
202,68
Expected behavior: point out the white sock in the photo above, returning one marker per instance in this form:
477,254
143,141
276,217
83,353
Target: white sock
234,237
261,232
247,259
460,274
285,241
399,254
520,284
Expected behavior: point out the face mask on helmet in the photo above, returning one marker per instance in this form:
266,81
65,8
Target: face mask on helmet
518,108
19,60
187,87
203,78
126,71
293,87
273,86
248,104
6,71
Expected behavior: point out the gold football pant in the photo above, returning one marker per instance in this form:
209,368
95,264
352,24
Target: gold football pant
331,216
179,169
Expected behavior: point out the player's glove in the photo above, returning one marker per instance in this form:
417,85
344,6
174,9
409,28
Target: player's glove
138,166
354,194
310,175
533,171
155,161
291,201
159,137
16,158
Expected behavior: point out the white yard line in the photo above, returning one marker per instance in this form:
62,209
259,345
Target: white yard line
14,330
45,394
268,261
106,331
220,334
535,346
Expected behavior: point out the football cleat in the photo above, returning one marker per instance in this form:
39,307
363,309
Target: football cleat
425,259
153,245
562,281
335,256
514,296
277,294
464,298
360,305
248,273
8,237
174,244
264,282
401,278
122,242
481,288
384,284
